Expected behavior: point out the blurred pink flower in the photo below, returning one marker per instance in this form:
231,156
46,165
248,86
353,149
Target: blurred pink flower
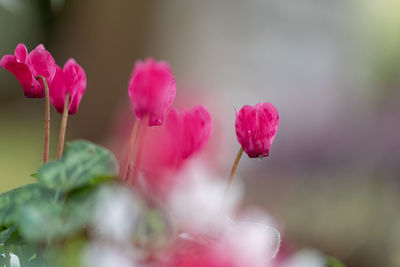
71,79
238,244
256,128
152,90
26,67
192,253
166,148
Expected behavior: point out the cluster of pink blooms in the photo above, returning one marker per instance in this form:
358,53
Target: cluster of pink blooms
71,80
208,237
155,156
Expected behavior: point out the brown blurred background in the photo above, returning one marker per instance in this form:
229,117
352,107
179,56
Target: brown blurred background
332,68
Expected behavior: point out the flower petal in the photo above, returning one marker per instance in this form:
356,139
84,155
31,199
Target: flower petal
21,71
21,53
75,79
152,90
41,62
58,90
256,128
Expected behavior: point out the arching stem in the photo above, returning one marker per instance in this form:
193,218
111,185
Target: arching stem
63,128
46,118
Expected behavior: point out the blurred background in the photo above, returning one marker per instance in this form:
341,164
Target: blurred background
332,68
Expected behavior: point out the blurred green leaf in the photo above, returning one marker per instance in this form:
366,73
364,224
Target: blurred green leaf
11,200
44,221
6,234
333,262
26,254
82,163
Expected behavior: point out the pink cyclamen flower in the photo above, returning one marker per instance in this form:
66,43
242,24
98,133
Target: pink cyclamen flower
26,67
166,148
152,89
70,79
256,128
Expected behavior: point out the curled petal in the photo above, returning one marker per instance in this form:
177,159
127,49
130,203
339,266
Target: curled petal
41,62
21,71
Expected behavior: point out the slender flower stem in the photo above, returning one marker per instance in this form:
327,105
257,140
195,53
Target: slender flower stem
131,144
63,128
138,156
233,171
46,119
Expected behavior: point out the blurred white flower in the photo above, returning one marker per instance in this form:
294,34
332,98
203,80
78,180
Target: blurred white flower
99,254
197,203
116,214
254,244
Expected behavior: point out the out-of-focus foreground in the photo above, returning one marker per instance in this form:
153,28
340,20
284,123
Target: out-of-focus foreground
332,68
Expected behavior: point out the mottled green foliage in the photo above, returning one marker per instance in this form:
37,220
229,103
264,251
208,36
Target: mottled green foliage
82,163
59,206
11,201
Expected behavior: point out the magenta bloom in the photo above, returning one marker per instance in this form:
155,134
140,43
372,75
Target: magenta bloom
193,127
70,79
26,67
256,128
152,89
166,148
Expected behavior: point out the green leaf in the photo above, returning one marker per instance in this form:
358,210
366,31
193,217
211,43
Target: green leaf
6,234
333,262
82,163
25,253
50,220
12,200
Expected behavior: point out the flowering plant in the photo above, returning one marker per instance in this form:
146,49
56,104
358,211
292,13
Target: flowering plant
160,208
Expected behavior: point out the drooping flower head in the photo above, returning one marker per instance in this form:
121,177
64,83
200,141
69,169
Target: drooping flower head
166,148
193,127
152,90
26,67
256,128
71,79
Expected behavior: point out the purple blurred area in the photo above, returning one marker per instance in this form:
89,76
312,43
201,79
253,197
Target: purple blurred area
332,69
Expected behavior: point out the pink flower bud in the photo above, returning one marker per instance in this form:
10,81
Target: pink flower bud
256,128
152,89
26,67
70,79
